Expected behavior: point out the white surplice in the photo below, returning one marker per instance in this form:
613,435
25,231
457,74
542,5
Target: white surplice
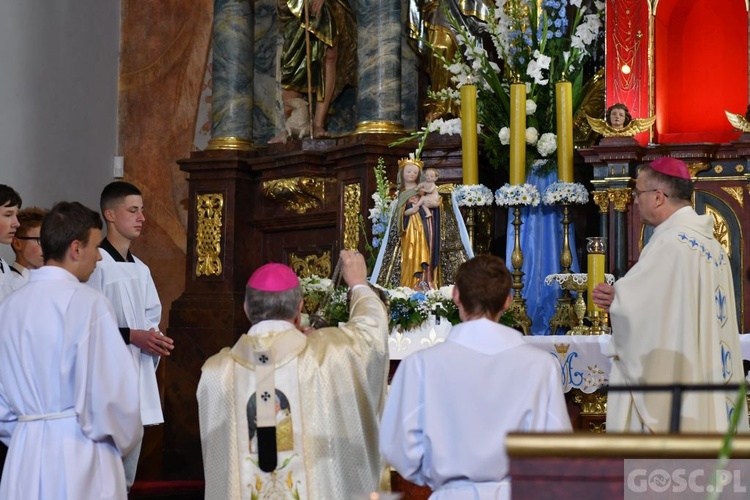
130,288
20,275
450,407
7,281
67,400
674,321
331,382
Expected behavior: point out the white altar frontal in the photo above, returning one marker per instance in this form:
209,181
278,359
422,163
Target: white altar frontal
584,363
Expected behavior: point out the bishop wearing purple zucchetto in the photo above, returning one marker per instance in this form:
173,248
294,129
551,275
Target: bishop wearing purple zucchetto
674,318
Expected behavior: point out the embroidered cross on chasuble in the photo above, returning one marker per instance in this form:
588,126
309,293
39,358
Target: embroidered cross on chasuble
267,408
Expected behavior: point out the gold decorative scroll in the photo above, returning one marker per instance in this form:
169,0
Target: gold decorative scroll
209,211
697,167
620,198
721,229
601,199
591,404
298,194
309,265
735,192
352,202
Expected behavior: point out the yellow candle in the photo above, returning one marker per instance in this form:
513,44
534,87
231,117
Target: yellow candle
595,276
564,108
470,161
517,133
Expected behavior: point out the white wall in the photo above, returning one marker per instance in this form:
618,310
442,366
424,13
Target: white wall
58,99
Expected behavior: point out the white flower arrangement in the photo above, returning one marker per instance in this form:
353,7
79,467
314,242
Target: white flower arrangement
473,195
382,206
565,192
522,194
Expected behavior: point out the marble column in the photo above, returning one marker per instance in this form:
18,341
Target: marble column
379,55
620,198
409,75
233,33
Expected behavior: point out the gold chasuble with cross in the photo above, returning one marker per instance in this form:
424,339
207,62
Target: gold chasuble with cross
309,404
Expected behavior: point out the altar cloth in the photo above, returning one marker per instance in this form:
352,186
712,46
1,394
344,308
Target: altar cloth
582,358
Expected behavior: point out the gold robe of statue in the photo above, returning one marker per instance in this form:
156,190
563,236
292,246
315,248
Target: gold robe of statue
334,383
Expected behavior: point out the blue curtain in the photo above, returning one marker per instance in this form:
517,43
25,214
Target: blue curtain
541,243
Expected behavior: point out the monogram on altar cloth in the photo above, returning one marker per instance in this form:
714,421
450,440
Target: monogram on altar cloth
584,363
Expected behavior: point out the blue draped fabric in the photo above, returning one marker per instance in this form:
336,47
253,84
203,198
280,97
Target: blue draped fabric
541,243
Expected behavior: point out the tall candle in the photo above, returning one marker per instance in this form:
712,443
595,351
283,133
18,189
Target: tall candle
517,133
564,108
595,276
470,161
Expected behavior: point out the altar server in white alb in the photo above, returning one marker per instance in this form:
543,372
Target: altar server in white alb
27,245
285,415
10,204
450,406
126,281
673,314
68,407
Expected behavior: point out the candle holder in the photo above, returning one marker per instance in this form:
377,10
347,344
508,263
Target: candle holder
518,305
565,316
578,282
596,248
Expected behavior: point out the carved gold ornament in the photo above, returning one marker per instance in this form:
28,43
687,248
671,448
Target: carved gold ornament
636,126
697,167
210,208
721,229
738,121
620,198
601,199
309,265
352,202
735,192
298,194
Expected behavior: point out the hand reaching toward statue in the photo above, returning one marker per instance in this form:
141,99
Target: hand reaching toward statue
603,295
353,269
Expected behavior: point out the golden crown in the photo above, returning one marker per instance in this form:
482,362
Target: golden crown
410,161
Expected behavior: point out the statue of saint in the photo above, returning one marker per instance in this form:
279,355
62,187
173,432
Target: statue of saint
332,36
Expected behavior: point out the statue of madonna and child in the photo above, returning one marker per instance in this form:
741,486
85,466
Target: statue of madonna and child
426,239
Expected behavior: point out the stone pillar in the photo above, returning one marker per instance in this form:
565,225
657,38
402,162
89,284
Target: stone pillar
379,55
620,198
232,118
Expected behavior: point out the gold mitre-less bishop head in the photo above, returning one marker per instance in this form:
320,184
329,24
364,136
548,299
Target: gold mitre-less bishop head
410,161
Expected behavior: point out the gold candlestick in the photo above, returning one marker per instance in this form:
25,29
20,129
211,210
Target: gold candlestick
565,316
518,306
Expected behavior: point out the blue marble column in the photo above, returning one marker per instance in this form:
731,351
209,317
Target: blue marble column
409,75
379,55
232,119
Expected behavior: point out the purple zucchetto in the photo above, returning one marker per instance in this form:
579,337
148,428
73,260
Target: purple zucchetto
671,167
273,277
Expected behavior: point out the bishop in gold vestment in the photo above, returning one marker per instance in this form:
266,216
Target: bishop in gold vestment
331,383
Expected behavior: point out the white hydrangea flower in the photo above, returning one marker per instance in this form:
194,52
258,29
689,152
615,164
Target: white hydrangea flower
530,107
547,144
532,135
504,136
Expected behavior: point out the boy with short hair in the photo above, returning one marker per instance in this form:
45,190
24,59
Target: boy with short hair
27,245
10,204
127,283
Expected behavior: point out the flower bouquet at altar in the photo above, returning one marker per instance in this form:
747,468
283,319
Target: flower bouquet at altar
538,43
